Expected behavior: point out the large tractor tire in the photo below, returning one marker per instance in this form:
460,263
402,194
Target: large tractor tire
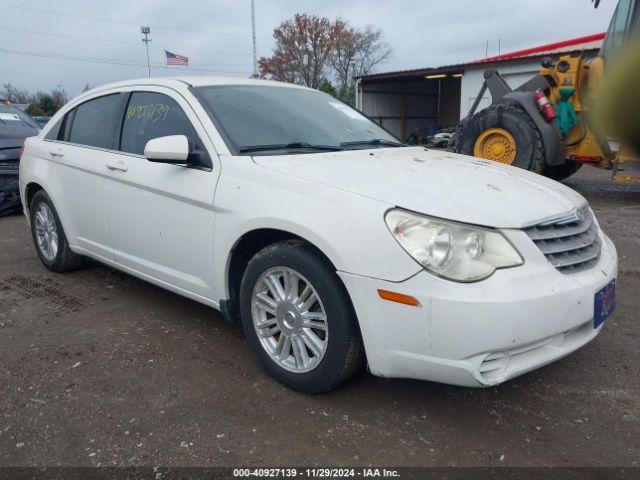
505,134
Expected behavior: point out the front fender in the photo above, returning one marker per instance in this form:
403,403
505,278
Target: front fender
349,229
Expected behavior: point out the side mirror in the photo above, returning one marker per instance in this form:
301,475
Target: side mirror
170,149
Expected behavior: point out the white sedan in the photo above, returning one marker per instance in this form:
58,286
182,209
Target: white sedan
332,243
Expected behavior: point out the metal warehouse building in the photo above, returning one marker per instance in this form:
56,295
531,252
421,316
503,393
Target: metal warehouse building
427,99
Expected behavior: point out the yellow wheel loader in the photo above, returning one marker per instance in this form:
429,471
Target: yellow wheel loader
560,119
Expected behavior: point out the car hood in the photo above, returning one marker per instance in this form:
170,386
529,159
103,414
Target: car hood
440,184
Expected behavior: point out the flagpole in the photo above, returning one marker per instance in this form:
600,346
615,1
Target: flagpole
146,31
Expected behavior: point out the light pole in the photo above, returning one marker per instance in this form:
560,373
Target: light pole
253,32
146,31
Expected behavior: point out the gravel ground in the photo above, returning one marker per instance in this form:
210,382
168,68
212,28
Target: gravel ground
97,367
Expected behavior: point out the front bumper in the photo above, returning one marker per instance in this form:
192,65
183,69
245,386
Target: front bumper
484,333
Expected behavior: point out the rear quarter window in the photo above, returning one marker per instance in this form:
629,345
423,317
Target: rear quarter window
55,132
60,131
94,122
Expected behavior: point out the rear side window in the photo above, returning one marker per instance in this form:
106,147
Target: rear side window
151,115
56,132
94,122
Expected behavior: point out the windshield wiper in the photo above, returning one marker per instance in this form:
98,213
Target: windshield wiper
289,146
375,142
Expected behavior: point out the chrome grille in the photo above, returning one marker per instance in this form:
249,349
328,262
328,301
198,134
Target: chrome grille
572,243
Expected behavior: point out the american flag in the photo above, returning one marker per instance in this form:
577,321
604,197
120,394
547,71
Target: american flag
173,59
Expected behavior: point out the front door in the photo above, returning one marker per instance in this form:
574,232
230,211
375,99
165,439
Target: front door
161,216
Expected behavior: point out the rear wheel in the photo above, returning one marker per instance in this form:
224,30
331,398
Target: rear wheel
49,237
504,134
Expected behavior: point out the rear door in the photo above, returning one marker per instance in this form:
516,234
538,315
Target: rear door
82,148
161,215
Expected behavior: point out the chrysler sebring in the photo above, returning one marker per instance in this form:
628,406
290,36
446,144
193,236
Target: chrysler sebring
331,242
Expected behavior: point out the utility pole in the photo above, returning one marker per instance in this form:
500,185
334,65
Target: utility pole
253,30
146,31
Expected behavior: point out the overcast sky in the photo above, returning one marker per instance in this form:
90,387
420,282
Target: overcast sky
216,34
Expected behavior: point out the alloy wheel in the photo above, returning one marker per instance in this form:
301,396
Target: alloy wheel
46,232
289,319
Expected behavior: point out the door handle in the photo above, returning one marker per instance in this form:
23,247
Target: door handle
117,165
56,153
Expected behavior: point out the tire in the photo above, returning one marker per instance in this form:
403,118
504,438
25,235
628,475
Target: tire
43,216
529,146
341,354
560,172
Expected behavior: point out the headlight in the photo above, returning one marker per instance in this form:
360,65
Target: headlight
459,252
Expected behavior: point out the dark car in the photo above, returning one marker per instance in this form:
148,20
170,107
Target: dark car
15,126
42,120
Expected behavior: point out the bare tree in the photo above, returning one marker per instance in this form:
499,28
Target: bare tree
59,96
355,53
14,94
371,51
343,55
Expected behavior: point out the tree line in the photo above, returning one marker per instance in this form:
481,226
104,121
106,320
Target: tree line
39,103
325,54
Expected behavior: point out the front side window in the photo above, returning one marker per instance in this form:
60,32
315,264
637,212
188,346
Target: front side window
151,115
94,122
261,118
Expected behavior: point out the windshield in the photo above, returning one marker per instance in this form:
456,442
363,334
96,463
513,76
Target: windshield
260,119
10,115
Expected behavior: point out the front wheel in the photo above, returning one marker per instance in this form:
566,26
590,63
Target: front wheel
298,318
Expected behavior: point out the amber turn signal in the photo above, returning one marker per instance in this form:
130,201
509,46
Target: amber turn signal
399,298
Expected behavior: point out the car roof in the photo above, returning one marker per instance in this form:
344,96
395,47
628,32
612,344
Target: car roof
178,83
192,81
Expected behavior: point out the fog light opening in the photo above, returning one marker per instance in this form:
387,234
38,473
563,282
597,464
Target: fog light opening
494,366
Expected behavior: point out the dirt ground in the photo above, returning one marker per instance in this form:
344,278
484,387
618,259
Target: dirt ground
97,367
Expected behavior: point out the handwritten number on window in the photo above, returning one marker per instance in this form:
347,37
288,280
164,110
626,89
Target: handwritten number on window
155,112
